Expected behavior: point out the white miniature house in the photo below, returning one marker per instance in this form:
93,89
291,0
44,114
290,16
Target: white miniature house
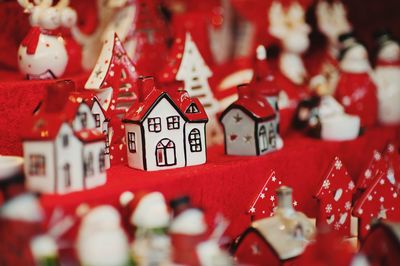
63,150
250,124
165,129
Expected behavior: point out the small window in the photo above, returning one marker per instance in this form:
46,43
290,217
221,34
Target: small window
132,142
65,140
192,109
195,140
83,119
97,119
88,165
102,162
154,124
173,122
107,147
37,165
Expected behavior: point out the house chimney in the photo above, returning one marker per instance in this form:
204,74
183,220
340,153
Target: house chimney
145,85
57,95
285,204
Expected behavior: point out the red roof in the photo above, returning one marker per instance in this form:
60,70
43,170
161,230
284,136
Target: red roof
264,80
179,98
43,127
89,135
253,103
89,98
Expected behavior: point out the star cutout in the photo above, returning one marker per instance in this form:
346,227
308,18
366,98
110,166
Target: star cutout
255,249
382,212
247,139
252,210
262,195
237,118
273,179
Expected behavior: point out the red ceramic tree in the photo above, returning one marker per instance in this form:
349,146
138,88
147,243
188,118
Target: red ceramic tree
376,166
380,201
392,158
266,201
334,198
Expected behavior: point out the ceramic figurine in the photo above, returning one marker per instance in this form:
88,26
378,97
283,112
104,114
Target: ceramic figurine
335,199
376,166
265,201
186,64
380,201
272,241
165,128
151,218
387,77
63,150
287,24
381,244
101,240
356,90
47,52
250,124
332,22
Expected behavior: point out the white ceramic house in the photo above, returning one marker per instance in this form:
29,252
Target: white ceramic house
165,129
250,125
63,150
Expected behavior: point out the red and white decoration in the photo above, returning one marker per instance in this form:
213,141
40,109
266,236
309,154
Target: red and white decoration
48,51
113,80
186,64
63,150
380,201
165,128
266,201
335,199
376,166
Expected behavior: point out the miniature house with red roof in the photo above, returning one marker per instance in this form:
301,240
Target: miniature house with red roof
334,197
250,124
63,150
165,129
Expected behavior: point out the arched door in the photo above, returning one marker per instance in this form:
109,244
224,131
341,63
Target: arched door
166,153
262,139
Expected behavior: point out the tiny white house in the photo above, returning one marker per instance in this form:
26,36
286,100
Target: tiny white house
165,129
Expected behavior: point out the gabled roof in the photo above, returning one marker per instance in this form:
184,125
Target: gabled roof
88,97
252,103
151,95
43,127
89,135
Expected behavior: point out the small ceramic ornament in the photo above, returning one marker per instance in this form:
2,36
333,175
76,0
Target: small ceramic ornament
380,201
376,166
101,240
266,201
63,150
250,124
165,128
151,218
335,199
387,77
356,90
381,244
332,22
287,23
48,51
277,239
186,64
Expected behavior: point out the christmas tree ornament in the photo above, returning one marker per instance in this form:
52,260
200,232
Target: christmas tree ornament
186,64
266,202
49,51
101,240
288,25
387,77
113,80
274,240
356,90
335,199
250,124
165,129
151,218
63,150
379,201
382,244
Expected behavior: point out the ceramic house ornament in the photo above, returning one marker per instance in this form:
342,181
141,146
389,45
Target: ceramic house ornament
356,90
165,128
46,52
63,150
250,124
335,199
186,64
266,201
387,77
278,239
379,201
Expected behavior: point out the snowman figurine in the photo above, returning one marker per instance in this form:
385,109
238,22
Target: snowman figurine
44,52
387,77
356,90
